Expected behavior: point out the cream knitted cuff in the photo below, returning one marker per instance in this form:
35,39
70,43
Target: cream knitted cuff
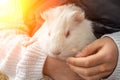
31,65
116,74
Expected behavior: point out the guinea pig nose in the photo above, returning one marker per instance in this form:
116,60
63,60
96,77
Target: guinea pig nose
56,52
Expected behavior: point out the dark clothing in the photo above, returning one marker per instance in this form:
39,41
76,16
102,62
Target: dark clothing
105,15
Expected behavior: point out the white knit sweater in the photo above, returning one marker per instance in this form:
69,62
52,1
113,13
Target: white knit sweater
13,33
29,62
18,62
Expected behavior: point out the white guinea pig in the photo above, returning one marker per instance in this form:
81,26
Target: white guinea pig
65,31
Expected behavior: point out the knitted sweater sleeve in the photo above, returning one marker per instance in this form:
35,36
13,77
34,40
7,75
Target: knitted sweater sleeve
31,65
10,50
116,74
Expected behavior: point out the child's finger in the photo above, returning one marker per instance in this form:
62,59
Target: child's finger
27,43
90,49
89,61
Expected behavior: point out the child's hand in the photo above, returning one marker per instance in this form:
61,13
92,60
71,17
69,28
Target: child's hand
96,61
59,70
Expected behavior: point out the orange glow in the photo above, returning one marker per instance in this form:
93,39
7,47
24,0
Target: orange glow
13,10
10,11
24,11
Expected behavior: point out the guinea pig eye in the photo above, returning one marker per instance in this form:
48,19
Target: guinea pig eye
49,33
67,34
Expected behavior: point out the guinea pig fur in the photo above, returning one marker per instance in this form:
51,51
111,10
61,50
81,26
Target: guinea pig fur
65,31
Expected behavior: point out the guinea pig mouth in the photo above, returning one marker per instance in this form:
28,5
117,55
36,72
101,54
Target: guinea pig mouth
56,52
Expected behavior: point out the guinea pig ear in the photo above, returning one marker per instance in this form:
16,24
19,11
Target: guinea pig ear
78,16
44,15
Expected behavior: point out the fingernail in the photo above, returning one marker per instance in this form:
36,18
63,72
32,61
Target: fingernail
78,55
68,60
102,68
67,63
25,45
